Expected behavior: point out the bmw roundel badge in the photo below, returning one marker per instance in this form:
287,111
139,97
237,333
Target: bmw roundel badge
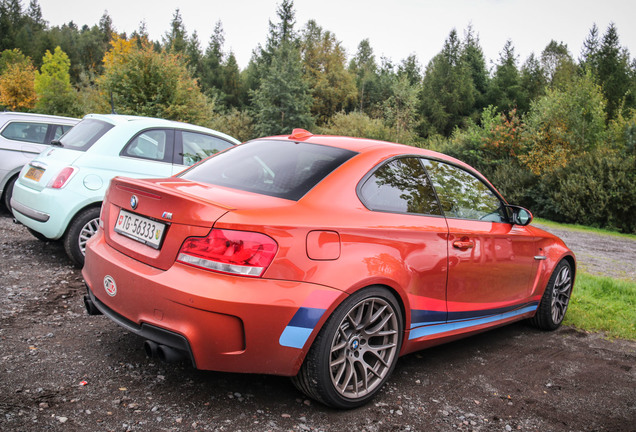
134,201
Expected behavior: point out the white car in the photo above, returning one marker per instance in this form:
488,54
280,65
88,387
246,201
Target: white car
59,193
22,137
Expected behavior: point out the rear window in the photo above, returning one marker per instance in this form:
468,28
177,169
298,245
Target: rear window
283,169
85,134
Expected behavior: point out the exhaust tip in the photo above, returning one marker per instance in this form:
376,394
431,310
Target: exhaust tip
169,355
151,348
91,309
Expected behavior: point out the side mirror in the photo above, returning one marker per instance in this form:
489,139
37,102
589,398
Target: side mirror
519,215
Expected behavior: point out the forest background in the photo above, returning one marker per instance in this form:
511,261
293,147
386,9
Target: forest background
555,133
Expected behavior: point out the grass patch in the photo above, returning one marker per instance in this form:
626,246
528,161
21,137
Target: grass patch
603,304
583,228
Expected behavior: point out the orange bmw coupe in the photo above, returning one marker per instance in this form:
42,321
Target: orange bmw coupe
320,258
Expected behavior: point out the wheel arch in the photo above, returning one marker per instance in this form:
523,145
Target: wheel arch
94,204
401,301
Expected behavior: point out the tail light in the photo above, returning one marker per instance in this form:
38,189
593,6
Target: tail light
62,178
227,251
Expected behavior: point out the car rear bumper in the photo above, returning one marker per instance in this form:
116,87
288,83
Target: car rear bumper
39,210
230,323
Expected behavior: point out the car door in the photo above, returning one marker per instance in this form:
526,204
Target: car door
491,261
402,201
148,154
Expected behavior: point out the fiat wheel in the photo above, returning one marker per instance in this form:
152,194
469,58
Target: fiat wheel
82,228
556,298
355,352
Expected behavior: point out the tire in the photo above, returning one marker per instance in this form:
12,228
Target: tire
355,351
556,298
82,228
8,192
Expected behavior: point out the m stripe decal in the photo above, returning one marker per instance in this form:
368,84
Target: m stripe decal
300,327
462,324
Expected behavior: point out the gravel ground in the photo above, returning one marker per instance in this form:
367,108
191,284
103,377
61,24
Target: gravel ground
61,369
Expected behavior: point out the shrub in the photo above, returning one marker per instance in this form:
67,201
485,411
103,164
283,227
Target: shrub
596,189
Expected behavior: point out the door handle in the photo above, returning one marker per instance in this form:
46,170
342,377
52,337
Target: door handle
459,244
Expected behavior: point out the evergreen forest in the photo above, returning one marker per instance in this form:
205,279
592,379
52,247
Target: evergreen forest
555,132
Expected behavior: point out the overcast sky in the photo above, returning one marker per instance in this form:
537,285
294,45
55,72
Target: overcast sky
395,28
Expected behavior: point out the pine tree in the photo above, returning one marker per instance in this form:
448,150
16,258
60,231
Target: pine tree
176,40
589,52
505,91
613,71
332,86
448,93
283,100
365,69
473,57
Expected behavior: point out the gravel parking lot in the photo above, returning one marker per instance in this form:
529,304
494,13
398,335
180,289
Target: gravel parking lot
61,369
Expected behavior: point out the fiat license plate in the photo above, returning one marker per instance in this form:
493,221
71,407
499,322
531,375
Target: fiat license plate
34,173
140,228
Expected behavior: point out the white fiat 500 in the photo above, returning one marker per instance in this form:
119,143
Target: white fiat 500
58,195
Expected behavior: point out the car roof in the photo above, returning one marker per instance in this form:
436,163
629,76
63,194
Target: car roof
6,116
141,122
366,145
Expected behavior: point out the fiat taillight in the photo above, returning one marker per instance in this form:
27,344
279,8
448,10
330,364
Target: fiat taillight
228,251
62,178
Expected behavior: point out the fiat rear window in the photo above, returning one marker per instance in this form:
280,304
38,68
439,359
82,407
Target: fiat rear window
283,169
85,134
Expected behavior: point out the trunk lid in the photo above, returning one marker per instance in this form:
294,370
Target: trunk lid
188,209
46,166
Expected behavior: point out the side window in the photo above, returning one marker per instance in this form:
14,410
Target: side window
197,146
59,130
400,186
26,131
151,144
462,195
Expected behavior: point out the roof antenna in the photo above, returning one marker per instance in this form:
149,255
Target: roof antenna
112,104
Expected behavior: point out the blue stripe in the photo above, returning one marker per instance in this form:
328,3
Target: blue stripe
306,317
457,325
426,317
300,327
466,315
294,337
419,317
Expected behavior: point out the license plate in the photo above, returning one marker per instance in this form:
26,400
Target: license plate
34,174
142,229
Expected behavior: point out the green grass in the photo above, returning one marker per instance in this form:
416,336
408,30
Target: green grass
603,304
583,228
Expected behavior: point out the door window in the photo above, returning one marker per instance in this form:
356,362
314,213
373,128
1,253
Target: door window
151,144
462,195
197,146
400,186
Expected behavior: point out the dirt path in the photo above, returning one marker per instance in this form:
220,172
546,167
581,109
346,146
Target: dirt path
63,370
599,254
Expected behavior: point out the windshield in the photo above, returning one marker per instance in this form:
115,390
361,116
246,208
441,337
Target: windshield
283,169
85,134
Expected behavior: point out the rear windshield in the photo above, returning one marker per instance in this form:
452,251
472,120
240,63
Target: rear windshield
85,134
283,169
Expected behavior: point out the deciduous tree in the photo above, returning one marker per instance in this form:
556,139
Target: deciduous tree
53,85
17,91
